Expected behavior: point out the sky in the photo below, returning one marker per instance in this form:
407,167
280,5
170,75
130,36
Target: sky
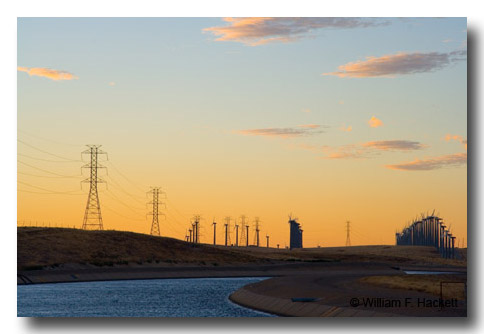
328,119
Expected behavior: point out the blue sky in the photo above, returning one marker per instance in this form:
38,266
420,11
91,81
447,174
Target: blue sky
162,94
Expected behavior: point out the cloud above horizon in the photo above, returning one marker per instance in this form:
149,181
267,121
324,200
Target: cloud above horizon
48,73
375,122
370,149
301,130
394,145
309,126
458,138
390,66
254,31
343,128
450,160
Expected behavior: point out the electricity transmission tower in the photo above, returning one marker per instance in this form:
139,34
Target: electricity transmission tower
348,241
155,224
92,216
196,229
244,236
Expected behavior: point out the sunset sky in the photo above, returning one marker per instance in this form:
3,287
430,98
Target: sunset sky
330,119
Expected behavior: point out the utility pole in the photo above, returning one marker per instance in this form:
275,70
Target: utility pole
256,220
155,224
267,238
191,236
236,233
227,231
247,233
348,241
214,231
92,216
196,228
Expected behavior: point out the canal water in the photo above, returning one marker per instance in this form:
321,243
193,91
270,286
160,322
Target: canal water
198,297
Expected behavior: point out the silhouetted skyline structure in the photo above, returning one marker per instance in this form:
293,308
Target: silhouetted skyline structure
295,234
92,216
155,223
428,231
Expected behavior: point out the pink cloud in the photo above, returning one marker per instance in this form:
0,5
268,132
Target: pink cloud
47,73
458,138
398,64
255,31
394,145
375,122
450,160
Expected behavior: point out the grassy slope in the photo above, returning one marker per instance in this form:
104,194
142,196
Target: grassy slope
423,283
39,247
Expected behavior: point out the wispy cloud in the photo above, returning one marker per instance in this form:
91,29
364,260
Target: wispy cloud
47,73
255,31
458,138
344,128
345,152
375,122
359,150
369,149
310,126
389,66
450,160
301,130
394,145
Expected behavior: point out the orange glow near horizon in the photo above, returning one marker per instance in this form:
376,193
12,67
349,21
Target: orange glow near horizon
232,117
322,204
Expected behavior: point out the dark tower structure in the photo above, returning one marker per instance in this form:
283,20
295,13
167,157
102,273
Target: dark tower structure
295,234
92,216
155,224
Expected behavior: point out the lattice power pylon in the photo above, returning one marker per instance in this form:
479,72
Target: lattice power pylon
92,216
155,213
244,236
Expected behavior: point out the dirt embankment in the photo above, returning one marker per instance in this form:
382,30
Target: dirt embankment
40,248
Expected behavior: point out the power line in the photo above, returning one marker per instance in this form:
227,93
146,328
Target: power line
46,160
46,171
174,208
125,177
117,185
174,228
46,152
114,197
49,177
49,140
48,190
46,193
123,216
